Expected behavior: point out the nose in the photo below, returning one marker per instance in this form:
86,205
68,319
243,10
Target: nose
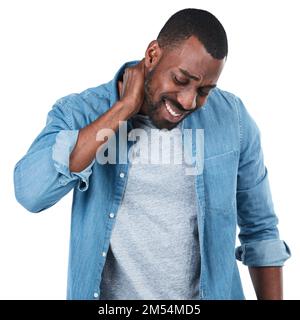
187,99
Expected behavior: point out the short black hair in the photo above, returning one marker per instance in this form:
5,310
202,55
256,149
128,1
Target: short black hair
195,22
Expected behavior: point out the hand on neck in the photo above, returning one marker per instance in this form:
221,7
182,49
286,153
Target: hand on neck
143,109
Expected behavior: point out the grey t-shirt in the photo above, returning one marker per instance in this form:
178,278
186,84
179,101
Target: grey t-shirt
154,249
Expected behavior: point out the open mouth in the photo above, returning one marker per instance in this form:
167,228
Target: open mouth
171,110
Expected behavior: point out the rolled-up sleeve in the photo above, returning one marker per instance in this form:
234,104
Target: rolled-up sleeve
272,253
64,144
259,235
42,177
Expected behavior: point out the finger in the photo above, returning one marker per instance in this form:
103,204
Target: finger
125,75
142,62
120,86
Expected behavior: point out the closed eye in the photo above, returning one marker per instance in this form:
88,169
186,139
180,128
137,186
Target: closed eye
202,93
180,82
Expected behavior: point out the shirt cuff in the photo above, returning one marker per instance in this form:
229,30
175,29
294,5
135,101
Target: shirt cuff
272,253
61,150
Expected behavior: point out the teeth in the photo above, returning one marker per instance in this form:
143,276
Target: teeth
173,113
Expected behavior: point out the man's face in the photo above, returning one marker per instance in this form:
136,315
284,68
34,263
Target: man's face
179,83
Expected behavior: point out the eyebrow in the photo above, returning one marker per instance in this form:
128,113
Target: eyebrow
187,74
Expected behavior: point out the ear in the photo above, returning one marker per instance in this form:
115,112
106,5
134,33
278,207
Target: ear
152,54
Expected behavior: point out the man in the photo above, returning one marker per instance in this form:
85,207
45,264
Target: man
145,230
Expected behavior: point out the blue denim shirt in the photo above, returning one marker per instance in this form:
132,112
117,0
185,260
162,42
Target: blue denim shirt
232,189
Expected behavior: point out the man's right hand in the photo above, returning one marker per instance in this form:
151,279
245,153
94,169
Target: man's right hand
131,90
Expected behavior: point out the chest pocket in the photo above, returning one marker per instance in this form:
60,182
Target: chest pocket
220,175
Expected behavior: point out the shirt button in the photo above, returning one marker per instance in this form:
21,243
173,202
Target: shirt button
103,253
63,181
122,174
111,215
96,295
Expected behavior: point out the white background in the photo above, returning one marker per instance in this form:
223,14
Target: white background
52,48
